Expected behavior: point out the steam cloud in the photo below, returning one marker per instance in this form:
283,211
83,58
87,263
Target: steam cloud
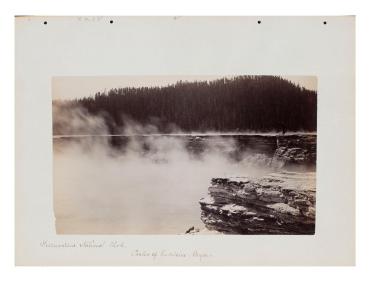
151,185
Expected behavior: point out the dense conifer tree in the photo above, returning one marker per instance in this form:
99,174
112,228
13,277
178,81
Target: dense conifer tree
242,103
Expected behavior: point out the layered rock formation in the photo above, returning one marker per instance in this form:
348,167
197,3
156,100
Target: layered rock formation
279,203
295,152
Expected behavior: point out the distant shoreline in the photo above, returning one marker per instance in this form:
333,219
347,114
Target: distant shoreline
188,134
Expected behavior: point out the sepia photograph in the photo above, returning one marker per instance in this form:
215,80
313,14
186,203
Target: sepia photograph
185,140
184,155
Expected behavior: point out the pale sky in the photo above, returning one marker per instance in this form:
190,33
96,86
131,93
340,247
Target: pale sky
80,86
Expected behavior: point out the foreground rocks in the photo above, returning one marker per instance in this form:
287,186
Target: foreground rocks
201,231
279,203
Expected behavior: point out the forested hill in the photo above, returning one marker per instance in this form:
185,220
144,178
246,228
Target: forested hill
242,103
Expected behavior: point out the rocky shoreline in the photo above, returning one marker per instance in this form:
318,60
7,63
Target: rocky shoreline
279,203
283,202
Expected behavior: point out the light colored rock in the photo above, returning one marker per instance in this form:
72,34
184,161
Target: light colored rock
233,209
284,208
207,200
278,203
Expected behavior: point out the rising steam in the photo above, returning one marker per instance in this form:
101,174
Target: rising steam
150,185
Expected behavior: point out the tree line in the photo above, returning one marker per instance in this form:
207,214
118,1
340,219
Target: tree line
241,103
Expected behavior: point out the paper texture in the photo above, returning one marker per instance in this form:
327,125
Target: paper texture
50,49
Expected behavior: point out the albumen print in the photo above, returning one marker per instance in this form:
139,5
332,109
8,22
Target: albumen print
185,154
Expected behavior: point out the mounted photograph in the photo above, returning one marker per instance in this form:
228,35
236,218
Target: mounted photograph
185,155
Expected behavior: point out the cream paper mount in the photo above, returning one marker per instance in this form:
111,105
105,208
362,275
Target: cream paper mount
185,140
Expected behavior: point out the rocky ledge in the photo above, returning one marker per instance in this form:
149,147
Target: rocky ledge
295,153
278,203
